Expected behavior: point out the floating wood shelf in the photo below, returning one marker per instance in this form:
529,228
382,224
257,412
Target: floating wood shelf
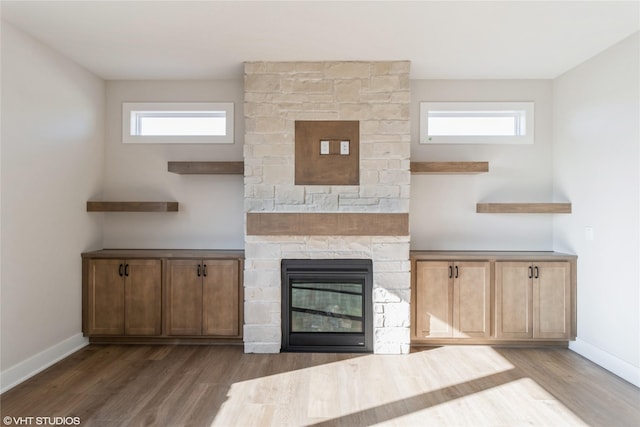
132,206
205,168
537,208
449,167
237,168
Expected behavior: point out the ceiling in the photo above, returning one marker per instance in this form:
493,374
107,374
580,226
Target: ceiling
211,39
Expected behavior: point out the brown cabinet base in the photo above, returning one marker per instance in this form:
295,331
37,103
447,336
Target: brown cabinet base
417,344
128,296
165,340
541,308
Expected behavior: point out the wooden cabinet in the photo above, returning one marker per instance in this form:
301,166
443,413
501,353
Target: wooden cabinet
202,297
124,297
146,296
533,300
453,299
552,300
483,297
221,298
184,297
472,299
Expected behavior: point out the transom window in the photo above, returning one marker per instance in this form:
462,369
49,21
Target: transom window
476,123
177,123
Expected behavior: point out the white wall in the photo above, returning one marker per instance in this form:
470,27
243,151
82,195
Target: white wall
211,206
443,207
52,142
596,163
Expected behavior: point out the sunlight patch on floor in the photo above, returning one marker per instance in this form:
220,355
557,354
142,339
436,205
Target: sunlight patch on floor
470,384
516,403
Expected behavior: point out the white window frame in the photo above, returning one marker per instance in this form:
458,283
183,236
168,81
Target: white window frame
523,111
132,111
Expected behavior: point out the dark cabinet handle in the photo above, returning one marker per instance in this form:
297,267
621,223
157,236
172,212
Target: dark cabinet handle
120,270
537,275
126,270
530,272
198,270
450,272
204,270
457,275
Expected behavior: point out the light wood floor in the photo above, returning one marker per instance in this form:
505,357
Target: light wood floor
221,386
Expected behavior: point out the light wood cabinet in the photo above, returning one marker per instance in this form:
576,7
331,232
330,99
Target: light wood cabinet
552,300
483,297
533,300
159,296
453,299
124,297
472,299
202,297
184,297
221,298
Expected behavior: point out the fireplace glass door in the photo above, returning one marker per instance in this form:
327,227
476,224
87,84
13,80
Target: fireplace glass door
326,305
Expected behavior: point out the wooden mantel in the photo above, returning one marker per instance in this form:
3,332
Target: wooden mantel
327,224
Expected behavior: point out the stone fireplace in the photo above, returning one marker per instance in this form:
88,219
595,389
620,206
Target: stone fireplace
376,94
327,305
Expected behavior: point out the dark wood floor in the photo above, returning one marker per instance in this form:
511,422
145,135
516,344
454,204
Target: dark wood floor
219,385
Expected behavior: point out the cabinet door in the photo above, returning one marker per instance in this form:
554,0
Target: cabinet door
472,300
434,299
220,297
106,297
142,297
514,300
551,300
184,297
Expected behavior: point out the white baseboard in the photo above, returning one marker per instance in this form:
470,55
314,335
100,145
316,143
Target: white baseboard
621,368
16,374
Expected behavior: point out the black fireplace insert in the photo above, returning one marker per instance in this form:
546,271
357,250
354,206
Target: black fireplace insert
327,305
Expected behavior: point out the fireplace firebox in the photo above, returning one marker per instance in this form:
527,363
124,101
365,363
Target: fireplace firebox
327,305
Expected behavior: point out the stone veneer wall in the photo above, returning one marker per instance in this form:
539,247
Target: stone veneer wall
276,95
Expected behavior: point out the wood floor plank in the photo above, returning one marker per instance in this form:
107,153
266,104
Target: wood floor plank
111,385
